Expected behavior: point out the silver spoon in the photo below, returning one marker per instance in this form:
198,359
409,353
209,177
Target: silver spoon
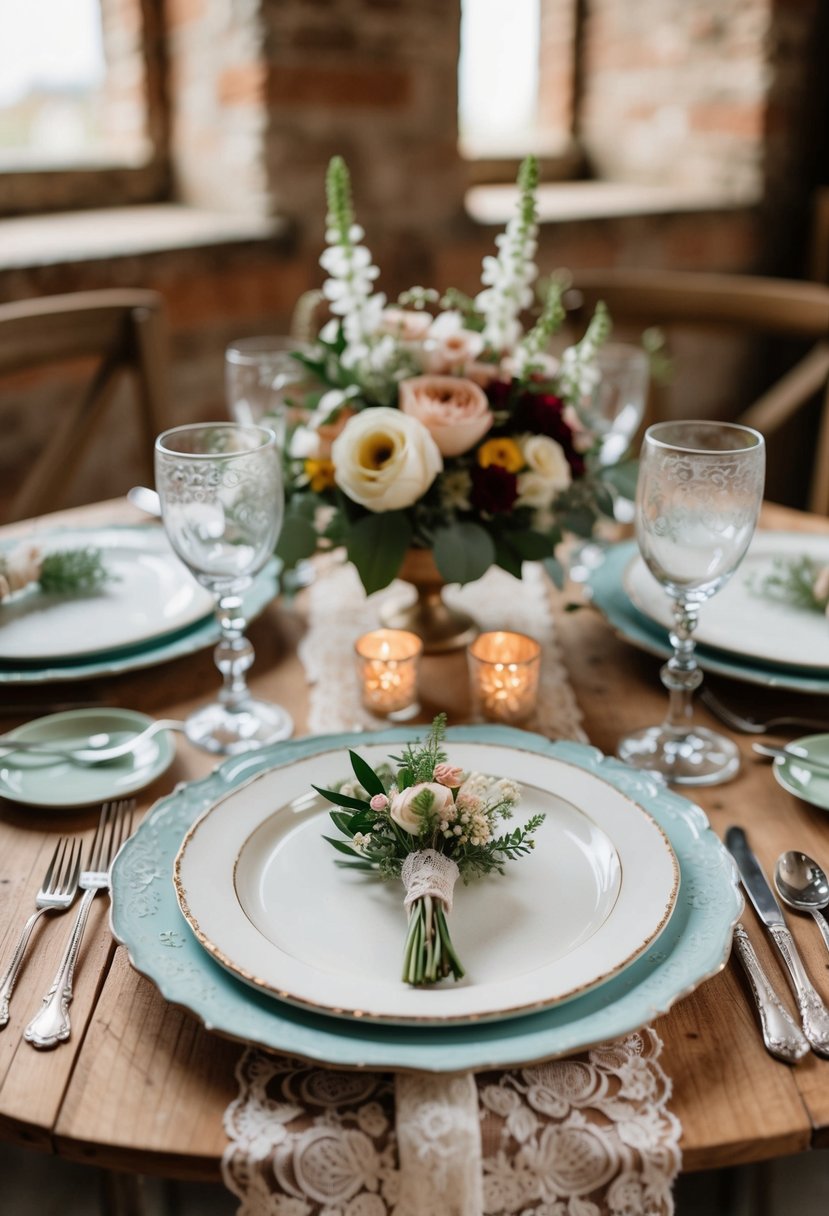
97,749
803,885
791,752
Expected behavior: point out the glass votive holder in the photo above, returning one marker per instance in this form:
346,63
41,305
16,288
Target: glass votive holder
387,661
503,671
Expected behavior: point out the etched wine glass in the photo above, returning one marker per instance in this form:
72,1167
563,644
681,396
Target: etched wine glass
613,411
222,502
698,497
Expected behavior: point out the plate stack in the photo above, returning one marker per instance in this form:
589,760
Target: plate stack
743,633
230,900
150,610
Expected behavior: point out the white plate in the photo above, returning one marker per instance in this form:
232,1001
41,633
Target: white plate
151,594
263,894
740,620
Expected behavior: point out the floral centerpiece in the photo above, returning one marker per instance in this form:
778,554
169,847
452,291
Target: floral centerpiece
440,423
427,823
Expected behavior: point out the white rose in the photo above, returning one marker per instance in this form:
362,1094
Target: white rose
548,471
384,459
406,816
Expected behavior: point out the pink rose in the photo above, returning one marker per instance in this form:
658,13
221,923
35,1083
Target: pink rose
379,802
406,816
455,411
404,324
448,775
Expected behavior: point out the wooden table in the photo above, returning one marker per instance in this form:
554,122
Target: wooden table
142,1086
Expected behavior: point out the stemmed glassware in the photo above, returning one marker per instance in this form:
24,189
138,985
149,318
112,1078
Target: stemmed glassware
222,502
613,412
698,497
263,381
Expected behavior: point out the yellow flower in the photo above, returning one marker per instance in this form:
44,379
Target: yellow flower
321,474
503,452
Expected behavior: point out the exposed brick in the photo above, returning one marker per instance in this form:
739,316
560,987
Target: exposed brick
364,86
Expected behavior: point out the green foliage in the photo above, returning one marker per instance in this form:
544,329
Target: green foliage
463,551
376,545
792,581
73,570
338,196
297,540
623,477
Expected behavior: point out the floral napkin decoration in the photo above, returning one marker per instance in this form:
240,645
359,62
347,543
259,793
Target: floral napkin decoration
427,823
68,571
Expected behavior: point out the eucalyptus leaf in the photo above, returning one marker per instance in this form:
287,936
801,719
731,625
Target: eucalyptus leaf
463,552
342,821
297,540
623,478
376,545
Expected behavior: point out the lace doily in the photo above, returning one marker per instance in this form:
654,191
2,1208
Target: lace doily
340,612
429,873
587,1136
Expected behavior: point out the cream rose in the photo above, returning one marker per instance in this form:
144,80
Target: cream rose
384,459
548,471
455,411
406,816
20,568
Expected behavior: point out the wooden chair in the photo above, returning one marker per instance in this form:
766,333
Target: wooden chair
126,331
788,308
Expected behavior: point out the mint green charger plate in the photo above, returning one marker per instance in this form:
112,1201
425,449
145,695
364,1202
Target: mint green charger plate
695,945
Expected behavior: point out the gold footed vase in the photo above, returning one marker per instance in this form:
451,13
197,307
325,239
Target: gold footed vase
440,627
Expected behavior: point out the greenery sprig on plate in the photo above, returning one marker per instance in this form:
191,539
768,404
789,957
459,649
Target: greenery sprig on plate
800,582
427,822
68,571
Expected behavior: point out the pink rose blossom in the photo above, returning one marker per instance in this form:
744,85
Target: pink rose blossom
404,324
379,802
455,411
449,775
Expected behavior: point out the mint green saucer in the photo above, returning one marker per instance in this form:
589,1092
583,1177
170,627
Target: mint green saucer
802,781
51,781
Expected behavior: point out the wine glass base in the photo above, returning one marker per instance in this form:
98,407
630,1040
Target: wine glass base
251,724
697,756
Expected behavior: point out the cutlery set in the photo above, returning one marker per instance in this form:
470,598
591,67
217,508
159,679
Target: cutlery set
802,885
64,877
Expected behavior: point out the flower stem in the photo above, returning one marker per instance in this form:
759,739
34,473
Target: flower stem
428,955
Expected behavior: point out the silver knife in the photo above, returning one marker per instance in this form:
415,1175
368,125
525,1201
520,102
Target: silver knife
814,1016
782,1037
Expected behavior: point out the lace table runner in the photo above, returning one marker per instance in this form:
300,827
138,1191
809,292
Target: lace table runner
587,1136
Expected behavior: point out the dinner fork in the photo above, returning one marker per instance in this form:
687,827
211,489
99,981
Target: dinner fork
56,894
751,726
50,1025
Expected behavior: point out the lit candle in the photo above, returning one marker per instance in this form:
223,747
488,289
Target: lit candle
387,660
504,669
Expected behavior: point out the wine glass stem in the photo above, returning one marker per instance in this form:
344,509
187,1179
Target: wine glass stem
681,674
234,653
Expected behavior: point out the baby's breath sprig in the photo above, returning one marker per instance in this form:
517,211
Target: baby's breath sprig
428,823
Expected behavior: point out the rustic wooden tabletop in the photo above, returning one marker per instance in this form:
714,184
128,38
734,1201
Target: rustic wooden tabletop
142,1086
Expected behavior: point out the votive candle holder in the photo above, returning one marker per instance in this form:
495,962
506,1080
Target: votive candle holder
387,661
503,669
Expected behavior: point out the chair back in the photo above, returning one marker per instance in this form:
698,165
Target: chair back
125,332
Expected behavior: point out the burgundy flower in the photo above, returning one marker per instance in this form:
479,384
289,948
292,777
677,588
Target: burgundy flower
494,489
541,414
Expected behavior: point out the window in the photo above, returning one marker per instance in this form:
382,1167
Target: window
52,74
498,77
79,95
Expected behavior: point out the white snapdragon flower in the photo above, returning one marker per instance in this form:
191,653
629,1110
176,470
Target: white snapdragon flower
507,278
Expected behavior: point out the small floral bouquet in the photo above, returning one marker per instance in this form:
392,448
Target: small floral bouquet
427,823
440,423
801,582
79,571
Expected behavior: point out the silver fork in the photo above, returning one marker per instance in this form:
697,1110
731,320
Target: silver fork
750,726
57,893
51,1025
